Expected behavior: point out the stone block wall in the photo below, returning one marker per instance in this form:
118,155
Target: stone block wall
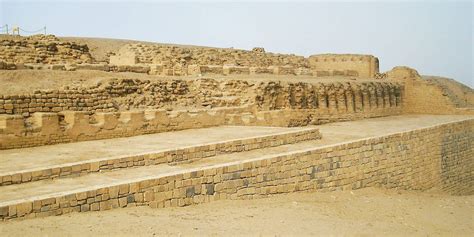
172,56
410,160
45,49
126,94
171,156
354,65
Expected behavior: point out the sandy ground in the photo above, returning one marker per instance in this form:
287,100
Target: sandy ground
365,212
462,95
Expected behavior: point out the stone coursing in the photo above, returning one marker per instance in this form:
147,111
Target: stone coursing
171,157
44,49
408,160
174,56
125,94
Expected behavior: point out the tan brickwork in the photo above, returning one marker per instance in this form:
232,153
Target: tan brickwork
45,49
172,157
353,65
415,160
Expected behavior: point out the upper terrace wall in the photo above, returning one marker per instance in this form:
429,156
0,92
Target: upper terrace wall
172,56
46,49
236,102
126,94
40,50
344,65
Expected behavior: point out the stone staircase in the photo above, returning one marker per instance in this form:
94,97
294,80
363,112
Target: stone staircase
237,162
164,169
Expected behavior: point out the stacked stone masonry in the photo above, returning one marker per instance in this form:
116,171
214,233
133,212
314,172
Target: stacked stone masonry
44,49
49,52
269,104
174,56
173,60
416,160
171,157
126,94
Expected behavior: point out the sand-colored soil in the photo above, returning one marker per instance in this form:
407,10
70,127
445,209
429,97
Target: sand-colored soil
462,95
365,212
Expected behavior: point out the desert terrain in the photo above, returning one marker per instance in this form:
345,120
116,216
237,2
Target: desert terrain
364,212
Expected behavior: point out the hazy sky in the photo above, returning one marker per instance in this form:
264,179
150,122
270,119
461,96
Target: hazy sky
436,38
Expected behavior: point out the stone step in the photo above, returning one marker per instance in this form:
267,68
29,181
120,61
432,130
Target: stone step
126,187
342,159
76,159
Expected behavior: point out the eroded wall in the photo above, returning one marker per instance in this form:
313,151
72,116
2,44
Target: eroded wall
45,49
422,96
70,126
173,56
127,94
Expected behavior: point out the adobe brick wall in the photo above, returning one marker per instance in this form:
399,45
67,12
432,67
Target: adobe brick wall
355,65
125,94
46,49
414,160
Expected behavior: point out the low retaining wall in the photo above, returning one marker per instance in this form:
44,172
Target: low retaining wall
72,126
422,159
172,157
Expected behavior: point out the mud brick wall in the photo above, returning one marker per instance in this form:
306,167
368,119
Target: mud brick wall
126,94
354,65
80,99
172,56
45,49
113,96
408,160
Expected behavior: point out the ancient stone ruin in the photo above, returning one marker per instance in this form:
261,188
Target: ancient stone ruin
169,126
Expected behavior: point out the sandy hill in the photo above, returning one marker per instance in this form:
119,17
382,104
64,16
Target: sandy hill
460,94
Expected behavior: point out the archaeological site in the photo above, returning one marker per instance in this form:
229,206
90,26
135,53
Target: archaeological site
95,125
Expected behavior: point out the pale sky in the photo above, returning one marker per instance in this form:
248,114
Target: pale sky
436,38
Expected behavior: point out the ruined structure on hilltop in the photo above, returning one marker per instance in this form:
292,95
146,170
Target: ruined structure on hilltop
44,49
202,60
